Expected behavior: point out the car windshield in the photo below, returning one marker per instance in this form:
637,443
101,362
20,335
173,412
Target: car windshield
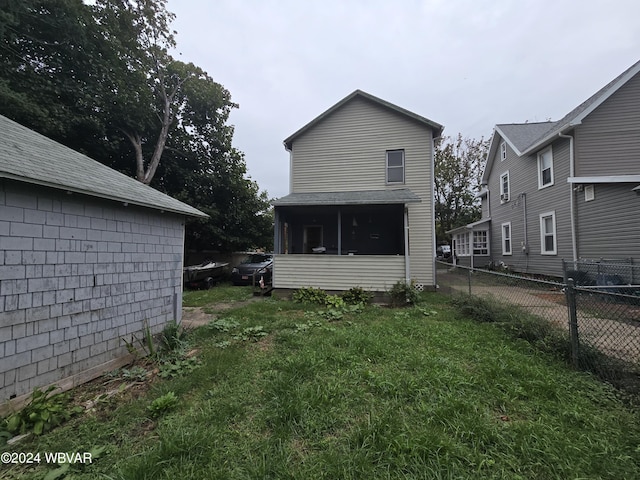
258,258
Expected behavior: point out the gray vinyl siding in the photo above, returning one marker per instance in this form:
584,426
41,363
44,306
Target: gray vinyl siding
523,179
608,141
609,225
347,152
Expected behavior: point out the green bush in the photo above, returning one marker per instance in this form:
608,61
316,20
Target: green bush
403,294
356,296
310,295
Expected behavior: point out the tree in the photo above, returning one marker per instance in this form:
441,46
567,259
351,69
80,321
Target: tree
98,78
459,164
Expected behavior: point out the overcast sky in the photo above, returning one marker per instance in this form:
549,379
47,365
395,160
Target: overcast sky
466,64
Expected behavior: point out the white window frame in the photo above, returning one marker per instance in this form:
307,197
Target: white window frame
462,244
395,167
503,151
544,234
541,154
480,247
504,238
504,193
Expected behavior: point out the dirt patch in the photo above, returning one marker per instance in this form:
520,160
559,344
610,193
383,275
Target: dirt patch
558,298
193,317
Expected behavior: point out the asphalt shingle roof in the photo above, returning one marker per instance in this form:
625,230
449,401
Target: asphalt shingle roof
522,135
28,156
365,197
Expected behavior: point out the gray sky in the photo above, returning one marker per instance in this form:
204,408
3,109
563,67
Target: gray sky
466,64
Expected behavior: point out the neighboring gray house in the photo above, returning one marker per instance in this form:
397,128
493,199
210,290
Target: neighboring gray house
362,195
564,190
87,255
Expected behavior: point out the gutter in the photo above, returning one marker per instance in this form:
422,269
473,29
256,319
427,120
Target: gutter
574,242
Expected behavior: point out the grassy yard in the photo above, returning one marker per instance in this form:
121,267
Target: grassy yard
280,392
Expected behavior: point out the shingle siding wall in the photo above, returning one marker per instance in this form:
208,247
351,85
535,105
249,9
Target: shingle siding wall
347,152
523,177
608,141
77,275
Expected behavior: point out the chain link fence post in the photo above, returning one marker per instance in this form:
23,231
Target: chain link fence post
570,294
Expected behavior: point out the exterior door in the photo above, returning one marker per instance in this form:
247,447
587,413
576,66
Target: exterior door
312,237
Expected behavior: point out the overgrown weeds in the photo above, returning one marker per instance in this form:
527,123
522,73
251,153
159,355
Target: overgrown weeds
414,392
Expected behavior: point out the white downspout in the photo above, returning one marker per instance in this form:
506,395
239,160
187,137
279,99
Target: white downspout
407,269
574,242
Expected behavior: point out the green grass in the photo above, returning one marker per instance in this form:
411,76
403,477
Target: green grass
415,394
222,292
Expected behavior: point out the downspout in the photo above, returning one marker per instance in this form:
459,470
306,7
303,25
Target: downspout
407,269
574,242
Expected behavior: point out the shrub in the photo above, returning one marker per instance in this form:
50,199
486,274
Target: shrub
403,294
310,295
356,295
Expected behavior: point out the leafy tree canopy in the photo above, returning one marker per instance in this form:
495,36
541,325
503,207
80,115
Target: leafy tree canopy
459,164
100,79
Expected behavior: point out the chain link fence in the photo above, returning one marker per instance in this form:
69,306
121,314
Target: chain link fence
597,313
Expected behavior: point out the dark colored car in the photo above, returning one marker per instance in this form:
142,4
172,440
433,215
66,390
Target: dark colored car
253,268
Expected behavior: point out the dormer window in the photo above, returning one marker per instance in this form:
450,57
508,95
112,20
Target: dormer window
395,166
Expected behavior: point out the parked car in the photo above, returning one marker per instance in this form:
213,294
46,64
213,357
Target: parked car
255,267
443,252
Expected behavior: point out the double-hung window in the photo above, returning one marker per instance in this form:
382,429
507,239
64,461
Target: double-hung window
548,233
395,166
506,238
503,151
504,187
545,168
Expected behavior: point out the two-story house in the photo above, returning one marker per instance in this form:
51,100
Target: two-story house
360,212
564,190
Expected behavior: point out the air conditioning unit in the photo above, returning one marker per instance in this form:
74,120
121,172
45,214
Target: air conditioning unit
504,197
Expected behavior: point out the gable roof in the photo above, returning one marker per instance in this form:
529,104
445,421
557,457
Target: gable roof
28,156
288,142
526,138
575,116
519,136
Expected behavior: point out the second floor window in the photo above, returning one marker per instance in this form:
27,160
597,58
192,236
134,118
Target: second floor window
504,187
545,168
395,166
